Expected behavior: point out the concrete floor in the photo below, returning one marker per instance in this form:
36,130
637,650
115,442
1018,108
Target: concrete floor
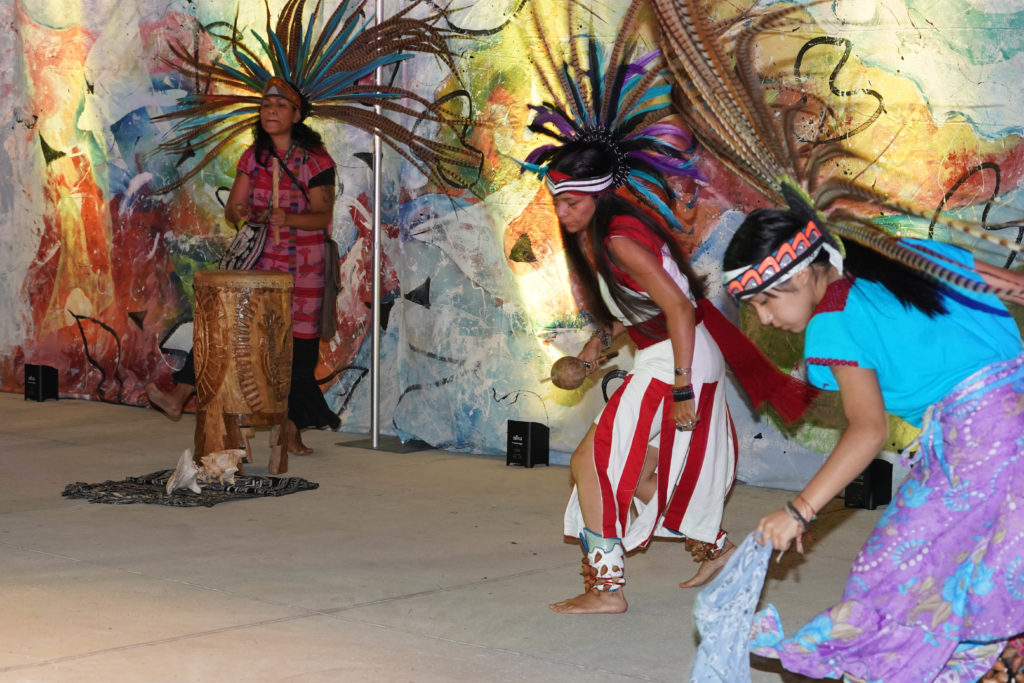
424,566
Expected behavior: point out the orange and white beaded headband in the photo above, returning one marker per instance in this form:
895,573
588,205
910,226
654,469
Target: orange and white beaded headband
789,259
281,88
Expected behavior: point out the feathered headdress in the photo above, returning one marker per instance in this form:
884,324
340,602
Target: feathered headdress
721,98
331,72
615,104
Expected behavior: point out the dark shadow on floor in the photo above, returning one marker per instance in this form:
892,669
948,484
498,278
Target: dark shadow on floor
772,666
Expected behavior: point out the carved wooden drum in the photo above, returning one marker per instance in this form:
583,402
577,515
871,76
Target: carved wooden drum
243,357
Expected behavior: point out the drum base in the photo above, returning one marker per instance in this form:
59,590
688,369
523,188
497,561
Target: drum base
234,431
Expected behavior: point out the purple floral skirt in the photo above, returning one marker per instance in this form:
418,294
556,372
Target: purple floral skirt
938,588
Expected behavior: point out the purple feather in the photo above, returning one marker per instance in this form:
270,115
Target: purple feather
647,59
532,157
546,115
668,164
657,129
639,67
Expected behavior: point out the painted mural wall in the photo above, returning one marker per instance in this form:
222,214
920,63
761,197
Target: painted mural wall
96,269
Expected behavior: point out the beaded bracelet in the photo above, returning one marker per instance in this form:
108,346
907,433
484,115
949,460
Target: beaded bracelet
606,339
682,394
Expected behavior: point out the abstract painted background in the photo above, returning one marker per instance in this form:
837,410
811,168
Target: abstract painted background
96,270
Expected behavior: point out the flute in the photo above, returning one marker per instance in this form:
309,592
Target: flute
275,197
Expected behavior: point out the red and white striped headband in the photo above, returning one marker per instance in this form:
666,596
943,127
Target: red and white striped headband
561,183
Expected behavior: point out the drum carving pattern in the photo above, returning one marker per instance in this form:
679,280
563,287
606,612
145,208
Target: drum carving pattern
243,356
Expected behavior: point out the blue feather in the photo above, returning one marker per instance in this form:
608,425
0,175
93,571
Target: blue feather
276,54
541,171
282,58
644,175
655,201
652,93
331,53
253,81
635,80
303,55
581,109
267,51
344,79
198,122
653,107
596,81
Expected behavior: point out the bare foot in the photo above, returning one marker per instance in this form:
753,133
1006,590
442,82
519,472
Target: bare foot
293,440
592,602
299,448
709,568
170,402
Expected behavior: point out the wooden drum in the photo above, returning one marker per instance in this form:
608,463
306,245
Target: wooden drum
243,357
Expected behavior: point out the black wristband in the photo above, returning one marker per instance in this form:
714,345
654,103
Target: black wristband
682,394
795,514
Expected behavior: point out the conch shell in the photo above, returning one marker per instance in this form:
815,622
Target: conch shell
185,474
221,465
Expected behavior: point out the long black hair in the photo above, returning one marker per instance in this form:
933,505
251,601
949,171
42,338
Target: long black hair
302,136
587,161
765,230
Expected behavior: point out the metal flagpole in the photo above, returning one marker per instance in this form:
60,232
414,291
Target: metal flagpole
375,347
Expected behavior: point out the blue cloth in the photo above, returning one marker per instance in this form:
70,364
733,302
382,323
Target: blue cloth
725,613
918,359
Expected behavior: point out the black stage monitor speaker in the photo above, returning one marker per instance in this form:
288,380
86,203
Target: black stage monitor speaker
40,382
872,488
527,444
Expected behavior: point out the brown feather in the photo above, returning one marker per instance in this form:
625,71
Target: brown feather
563,104
709,83
626,32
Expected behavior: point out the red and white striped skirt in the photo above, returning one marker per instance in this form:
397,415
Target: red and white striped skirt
695,469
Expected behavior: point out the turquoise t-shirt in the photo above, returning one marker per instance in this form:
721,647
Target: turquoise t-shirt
918,359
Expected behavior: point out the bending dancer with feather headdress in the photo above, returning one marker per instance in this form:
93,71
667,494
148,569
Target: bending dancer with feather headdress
660,458
935,592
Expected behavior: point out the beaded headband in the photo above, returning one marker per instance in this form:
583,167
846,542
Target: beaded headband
281,88
789,259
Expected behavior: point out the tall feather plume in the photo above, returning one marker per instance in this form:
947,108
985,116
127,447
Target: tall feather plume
616,103
857,228
835,190
725,114
574,61
550,65
329,68
721,97
618,47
